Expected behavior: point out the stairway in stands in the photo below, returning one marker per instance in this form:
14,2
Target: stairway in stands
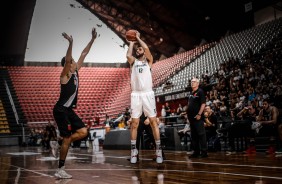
9,127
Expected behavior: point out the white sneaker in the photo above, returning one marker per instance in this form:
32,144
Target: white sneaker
189,152
160,178
279,151
230,153
135,180
61,173
159,156
63,181
134,154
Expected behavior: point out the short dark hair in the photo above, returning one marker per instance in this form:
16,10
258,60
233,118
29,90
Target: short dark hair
63,61
266,100
137,45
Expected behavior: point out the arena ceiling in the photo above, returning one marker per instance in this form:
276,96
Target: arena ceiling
169,26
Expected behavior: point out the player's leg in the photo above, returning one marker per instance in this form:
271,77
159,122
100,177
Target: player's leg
136,111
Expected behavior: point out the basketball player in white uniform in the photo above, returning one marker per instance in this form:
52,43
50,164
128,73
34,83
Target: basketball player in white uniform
142,95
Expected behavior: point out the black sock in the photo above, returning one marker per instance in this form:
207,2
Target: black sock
133,144
61,163
252,143
272,143
279,144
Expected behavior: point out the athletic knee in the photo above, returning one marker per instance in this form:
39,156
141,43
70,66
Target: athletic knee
154,125
83,132
66,141
134,126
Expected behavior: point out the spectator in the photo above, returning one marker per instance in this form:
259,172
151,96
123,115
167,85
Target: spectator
32,138
107,120
248,114
167,112
185,132
126,114
161,125
279,150
210,122
179,110
268,117
51,132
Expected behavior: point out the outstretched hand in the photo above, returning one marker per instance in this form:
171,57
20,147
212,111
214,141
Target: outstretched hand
66,36
94,33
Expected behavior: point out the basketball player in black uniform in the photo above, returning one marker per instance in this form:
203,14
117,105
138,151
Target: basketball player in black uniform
70,125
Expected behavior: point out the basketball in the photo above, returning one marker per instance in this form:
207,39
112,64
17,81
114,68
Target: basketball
131,35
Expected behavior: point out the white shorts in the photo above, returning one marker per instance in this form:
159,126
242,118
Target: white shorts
143,102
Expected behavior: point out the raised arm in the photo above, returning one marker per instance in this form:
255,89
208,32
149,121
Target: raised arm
68,58
129,55
86,49
148,54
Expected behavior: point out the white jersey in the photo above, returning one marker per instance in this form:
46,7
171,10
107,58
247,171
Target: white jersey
141,76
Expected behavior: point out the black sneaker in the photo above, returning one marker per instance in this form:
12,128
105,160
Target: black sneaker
203,155
221,131
194,155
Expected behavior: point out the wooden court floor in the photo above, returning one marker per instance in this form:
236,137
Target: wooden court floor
31,165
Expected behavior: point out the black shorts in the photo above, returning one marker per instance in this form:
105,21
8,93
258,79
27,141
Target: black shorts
197,126
268,130
65,116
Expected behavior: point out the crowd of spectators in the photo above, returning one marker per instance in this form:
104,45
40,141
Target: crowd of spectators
244,85
241,92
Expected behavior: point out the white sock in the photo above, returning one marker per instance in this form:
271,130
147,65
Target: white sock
133,144
158,144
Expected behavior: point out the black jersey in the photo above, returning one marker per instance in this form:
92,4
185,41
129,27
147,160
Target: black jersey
195,100
69,91
267,116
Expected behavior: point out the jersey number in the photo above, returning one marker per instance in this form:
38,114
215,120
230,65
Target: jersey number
140,70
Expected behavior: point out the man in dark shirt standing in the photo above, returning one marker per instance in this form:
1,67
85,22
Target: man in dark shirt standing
196,106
